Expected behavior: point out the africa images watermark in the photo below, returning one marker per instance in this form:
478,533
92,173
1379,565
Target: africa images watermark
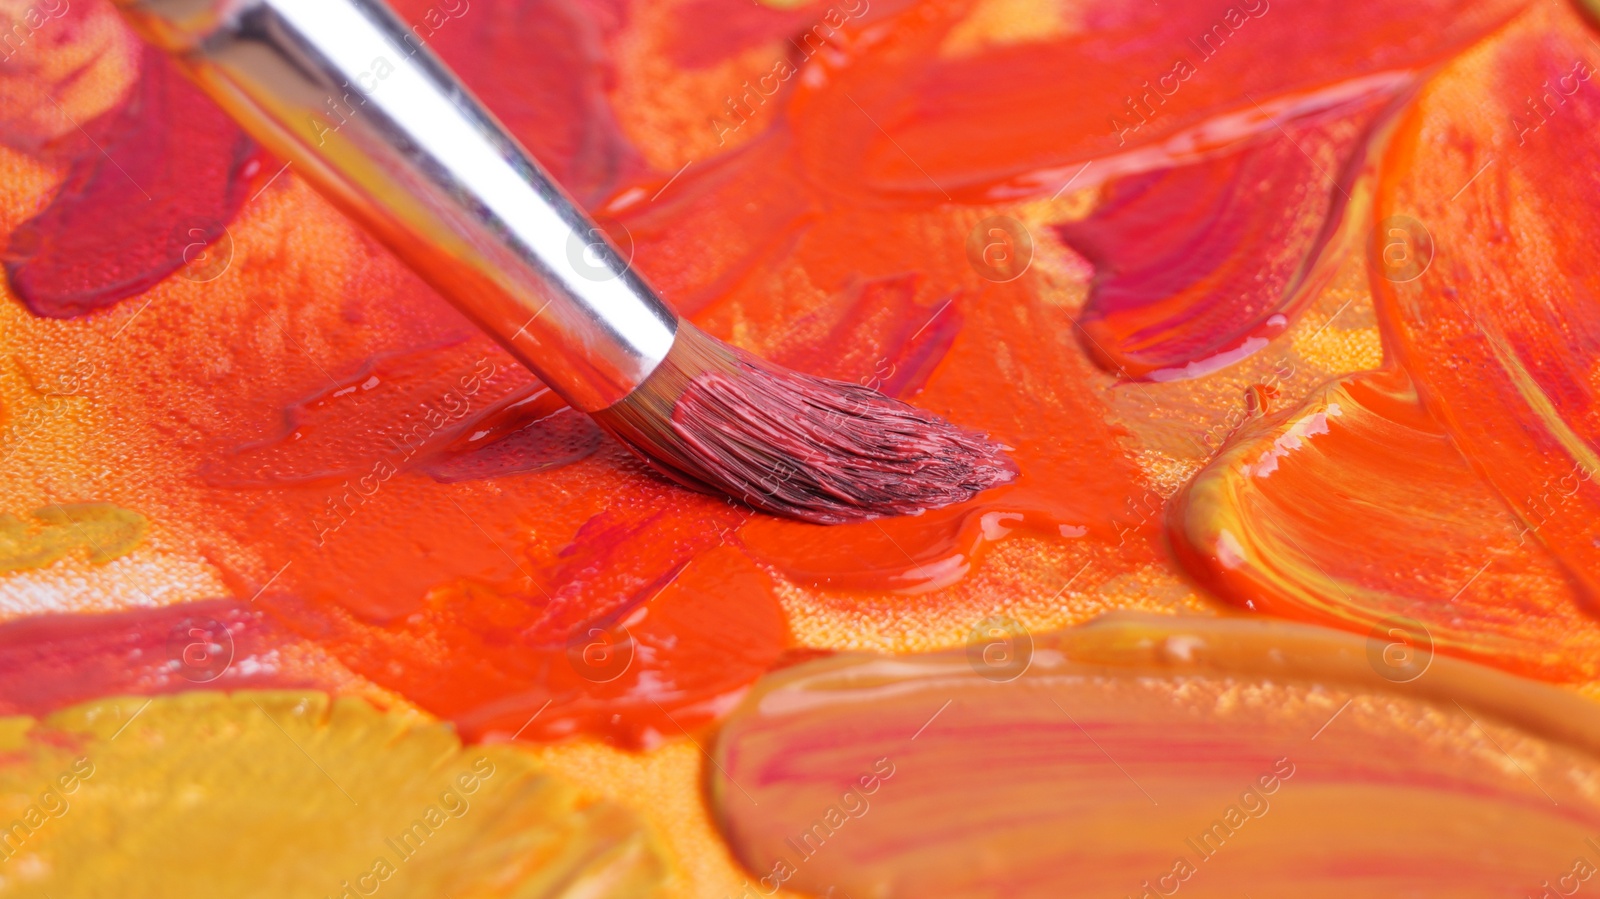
1140,108
33,20
809,43
1542,109
344,107
852,804
1553,497
410,840
52,404
1252,805
51,802
1573,880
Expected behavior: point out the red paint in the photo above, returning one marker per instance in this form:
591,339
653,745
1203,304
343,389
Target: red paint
678,658
150,185
459,565
405,409
558,438
1199,266
52,661
897,116
750,237
885,333
705,32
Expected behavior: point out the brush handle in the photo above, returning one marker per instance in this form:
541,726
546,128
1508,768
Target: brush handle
344,91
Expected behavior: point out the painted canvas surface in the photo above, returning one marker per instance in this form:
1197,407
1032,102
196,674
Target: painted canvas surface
1288,312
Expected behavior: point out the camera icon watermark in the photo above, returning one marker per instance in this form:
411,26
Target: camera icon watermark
200,649
1000,248
1400,248
600,654
999,649
1400,649
600,254
206,258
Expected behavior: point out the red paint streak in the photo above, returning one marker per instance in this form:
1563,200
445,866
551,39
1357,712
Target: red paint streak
560,438
881,333
404,409
53,661
751,236
150,184
1199,266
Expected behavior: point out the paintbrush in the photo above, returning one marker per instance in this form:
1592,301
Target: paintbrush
374,121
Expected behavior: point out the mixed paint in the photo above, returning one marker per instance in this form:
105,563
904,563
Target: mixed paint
1287,313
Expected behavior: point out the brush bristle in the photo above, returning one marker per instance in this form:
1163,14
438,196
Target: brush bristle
719,420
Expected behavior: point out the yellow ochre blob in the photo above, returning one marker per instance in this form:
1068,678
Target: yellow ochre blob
279,794
103,530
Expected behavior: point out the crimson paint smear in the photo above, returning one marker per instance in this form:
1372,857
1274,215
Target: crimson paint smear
679,655
1201,265
151,184
52,661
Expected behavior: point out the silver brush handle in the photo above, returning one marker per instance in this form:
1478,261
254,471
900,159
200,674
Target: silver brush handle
380,126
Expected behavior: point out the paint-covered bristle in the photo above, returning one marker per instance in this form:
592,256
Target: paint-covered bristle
719,420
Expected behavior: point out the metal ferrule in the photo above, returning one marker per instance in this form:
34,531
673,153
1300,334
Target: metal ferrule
342,90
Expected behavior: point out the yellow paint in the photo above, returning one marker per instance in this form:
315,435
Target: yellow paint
102,530
282,794
676,115
663,787
1002,22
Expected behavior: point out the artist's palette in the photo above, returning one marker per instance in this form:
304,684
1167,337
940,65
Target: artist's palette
1287,313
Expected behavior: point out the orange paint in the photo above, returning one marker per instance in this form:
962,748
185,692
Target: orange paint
1357,510
1151,756
386,483
1129,86
1502,333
